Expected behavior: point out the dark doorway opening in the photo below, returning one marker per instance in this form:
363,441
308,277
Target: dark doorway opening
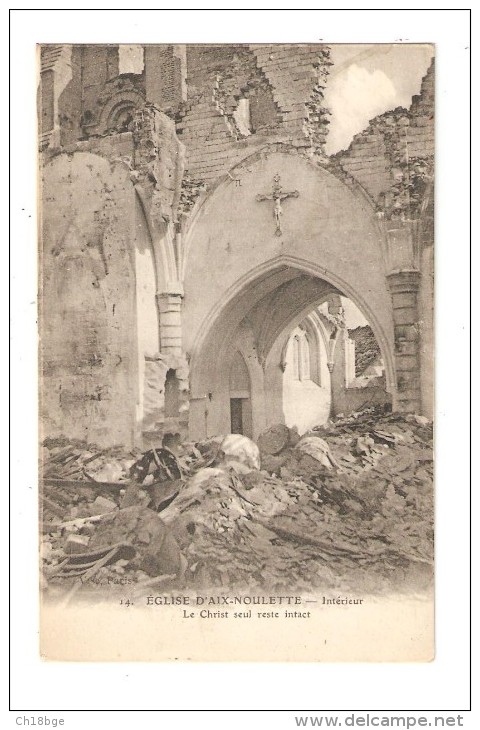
236,415
172,400
240,401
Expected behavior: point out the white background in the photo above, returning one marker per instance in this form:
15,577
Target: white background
442,685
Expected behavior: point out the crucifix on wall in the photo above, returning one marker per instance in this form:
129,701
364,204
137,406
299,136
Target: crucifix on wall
277,196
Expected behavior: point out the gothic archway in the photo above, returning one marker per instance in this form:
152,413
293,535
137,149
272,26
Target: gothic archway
256,316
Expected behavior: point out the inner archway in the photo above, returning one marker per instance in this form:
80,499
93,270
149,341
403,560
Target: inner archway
254,323
331,364
306,387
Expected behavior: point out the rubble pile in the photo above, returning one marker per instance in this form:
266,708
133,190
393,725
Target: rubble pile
347,506
64,459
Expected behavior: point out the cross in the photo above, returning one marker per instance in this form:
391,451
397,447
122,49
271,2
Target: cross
277,196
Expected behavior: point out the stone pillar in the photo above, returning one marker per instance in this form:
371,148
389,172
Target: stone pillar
55,75
337,366
350,373
404,286
170,316
165,75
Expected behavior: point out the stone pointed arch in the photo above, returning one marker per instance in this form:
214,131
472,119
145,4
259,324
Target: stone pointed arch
277,271
237,268
236,316
241,171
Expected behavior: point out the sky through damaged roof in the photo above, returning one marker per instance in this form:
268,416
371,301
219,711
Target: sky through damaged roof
368,80
364,81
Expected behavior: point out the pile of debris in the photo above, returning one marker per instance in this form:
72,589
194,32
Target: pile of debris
347,506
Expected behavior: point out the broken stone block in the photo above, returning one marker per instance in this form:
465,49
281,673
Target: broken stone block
273,464
318,449
274,439
111,471
76,544
102,505
157,550
240,452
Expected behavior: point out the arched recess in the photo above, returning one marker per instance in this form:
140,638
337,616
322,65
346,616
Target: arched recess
240,396
259,312
306,392
238,269
317,340
172,399
120,102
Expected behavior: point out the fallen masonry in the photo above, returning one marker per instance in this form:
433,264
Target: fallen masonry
347,509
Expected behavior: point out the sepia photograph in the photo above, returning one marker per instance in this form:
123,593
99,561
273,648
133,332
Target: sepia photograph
236,358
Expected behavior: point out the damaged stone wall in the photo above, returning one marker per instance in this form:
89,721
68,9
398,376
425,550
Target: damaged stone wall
109,254
393,160
163,137
96,100
165,76
96,359
393,157
87,303
57,65
157,166
158,418
281,87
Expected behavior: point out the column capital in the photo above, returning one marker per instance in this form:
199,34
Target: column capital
404,280
172,291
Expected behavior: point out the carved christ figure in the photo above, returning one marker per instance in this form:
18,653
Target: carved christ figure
277,196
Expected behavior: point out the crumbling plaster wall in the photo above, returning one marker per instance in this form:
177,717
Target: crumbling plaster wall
87,299
108,258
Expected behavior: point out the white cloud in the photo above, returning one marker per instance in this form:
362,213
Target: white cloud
130,59
355,96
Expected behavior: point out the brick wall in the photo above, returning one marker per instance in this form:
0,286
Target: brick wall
284,88
393,157
165,76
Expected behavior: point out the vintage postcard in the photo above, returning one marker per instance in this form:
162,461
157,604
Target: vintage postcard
236,352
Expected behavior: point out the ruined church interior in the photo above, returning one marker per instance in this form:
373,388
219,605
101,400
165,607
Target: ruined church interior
215,262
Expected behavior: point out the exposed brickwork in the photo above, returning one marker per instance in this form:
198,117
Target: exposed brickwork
298,77
284,87
393,158
242,78
366,348
201,85
165,72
